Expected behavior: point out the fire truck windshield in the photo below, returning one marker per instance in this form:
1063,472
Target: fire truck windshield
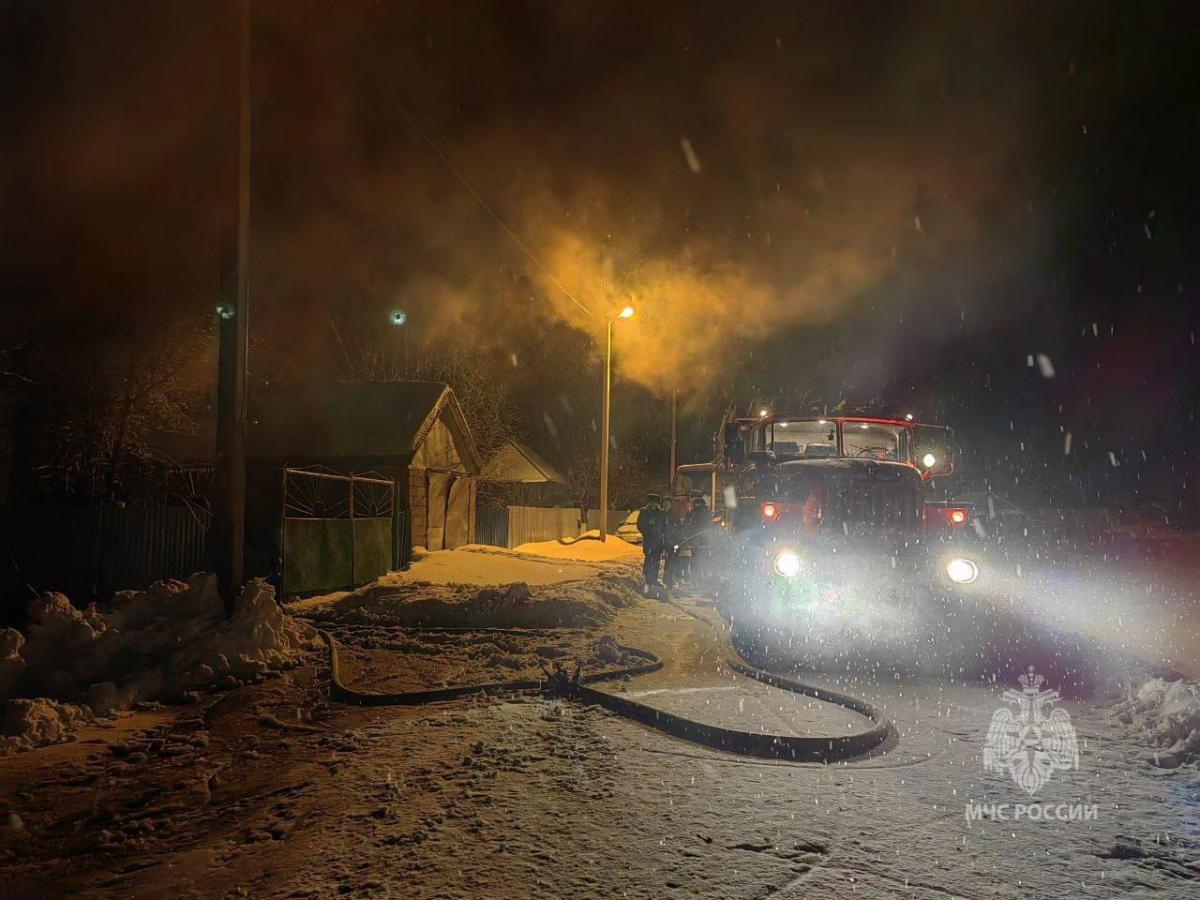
872,440
805,440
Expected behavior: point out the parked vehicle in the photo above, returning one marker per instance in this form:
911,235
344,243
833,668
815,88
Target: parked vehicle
628,530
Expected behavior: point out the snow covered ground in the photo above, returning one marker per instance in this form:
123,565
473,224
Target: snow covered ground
435,658
549,562
485,587
272,792
587,547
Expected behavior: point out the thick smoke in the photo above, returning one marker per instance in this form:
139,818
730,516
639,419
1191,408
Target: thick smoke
732,184
732,176
864,200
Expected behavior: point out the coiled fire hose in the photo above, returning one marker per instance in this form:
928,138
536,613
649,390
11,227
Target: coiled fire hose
807,748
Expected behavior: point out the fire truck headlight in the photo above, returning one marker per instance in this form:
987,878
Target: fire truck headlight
929,460
787,563
962,571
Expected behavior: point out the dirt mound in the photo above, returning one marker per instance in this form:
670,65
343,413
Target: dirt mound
394,658
159,643
588,603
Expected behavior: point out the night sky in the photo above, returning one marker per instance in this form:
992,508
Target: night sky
906,202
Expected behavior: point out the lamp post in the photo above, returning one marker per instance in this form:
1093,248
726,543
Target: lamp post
625,313
674,430
229,520
399,318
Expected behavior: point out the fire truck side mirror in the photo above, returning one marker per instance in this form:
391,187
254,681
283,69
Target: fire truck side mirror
735,447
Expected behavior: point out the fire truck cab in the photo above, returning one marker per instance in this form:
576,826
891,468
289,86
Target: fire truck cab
812,505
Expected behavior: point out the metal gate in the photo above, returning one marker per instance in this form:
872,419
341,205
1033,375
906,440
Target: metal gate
339,531
491,526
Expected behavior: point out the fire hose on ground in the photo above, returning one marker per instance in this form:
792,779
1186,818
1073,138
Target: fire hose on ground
798,748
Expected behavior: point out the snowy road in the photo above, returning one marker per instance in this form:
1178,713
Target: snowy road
275,794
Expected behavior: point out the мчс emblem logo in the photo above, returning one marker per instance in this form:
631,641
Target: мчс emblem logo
1032,744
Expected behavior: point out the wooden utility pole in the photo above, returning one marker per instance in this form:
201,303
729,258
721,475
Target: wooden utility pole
604,410
626,313
229,526
674,405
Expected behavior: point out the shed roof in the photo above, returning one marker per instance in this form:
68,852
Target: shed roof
515,463
344,419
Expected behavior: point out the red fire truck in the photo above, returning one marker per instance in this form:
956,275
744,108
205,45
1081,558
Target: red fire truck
814,507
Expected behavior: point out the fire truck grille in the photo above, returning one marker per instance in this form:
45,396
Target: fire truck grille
864,507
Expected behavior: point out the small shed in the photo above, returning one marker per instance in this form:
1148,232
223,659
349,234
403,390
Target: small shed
524,477
398,452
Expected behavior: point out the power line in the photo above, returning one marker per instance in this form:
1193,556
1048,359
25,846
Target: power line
474,193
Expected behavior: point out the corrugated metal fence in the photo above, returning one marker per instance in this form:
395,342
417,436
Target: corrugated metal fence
515,525
90,552
527,524
491,526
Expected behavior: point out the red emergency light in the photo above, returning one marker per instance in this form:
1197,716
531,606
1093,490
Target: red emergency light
954,515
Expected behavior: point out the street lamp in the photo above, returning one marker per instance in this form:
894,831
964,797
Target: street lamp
399,318
625,313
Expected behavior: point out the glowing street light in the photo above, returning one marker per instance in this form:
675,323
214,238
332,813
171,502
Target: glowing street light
398,318
626,313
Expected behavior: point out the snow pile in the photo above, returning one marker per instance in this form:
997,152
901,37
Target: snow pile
160,643
11,663
1169,714
35,723
585,603
490,566
587,548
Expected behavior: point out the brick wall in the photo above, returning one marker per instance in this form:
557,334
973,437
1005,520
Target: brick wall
418,506
471,509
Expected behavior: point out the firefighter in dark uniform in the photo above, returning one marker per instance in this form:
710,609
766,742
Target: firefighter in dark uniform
694,531
676,532
652,525
699,518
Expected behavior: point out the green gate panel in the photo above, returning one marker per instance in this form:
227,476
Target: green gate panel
317,555
372,549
